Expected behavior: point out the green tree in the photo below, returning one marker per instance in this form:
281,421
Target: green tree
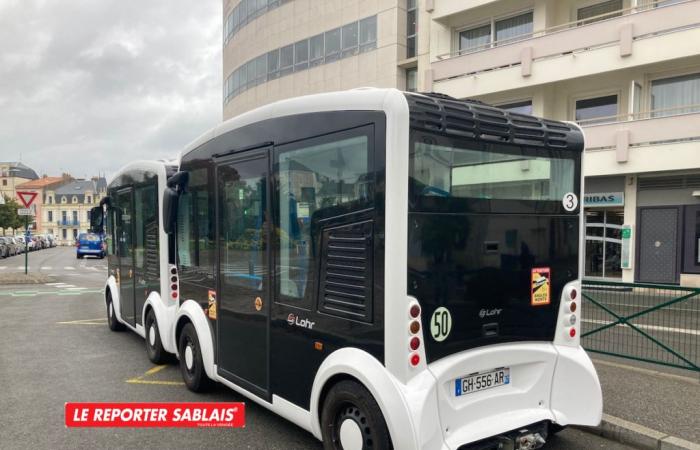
8,215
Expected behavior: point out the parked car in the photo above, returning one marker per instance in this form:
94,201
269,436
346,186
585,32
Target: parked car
89,244
51,239
9,246
44,243
17,247
3,249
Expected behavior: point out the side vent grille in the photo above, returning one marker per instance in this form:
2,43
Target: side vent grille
346,271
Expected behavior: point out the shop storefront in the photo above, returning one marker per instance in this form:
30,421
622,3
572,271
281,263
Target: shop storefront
604,215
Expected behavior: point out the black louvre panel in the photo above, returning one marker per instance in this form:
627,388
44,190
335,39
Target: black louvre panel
346,271
474,119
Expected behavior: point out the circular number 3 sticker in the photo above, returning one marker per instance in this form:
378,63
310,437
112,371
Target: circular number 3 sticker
570,201
440,324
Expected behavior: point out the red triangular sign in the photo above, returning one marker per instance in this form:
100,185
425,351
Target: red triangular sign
27,198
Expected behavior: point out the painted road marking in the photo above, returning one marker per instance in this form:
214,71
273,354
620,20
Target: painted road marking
151,371
98,321
75,288
647,327
22,267
69,268
33,293
53,284
46,268
3,267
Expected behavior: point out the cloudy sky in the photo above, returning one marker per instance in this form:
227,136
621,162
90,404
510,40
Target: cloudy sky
87,86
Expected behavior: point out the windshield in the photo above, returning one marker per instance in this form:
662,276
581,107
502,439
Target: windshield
484,220
468,175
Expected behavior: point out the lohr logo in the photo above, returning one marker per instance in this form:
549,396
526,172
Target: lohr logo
293,319
490,312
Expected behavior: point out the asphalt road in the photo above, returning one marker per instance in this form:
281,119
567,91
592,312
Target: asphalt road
58,348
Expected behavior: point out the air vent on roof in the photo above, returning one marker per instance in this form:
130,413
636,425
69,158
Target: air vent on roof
468,118
679,182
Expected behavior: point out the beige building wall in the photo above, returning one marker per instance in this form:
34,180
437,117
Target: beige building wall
299,19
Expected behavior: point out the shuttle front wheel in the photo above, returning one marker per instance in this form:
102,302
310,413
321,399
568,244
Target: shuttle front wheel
351,419
112,321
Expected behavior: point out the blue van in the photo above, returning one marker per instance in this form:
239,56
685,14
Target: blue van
89,244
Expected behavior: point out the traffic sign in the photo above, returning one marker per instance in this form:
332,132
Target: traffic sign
27,198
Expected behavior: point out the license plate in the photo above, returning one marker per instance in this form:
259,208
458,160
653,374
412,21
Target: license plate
481,381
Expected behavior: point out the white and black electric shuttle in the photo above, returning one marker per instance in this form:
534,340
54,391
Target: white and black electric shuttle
386,269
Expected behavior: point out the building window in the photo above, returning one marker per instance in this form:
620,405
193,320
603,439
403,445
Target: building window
75,217
412,80
50,216
64,200
245,12
498,31
64,233
74,199
411,28
75,233
596,110
4,182
332,41
348,40
50,200
600,11
676,95
604,243
89,199
522,107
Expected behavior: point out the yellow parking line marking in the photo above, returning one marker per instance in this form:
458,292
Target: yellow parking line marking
99,321
155,369
166,383
151,371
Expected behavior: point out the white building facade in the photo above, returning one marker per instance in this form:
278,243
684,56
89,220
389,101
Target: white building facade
628,71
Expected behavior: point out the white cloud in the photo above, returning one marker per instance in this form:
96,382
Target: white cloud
88,86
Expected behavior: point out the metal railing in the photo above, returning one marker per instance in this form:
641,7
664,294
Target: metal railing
556,28
646,322
642,115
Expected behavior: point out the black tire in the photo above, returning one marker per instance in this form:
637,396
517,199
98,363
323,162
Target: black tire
155,351
112,321
195,377
349,400
555,428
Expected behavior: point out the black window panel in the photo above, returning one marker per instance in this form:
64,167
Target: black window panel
597,110
332,42
301,55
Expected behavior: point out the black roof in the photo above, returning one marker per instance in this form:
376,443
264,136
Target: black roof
20,170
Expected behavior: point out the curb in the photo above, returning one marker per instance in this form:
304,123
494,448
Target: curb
631,433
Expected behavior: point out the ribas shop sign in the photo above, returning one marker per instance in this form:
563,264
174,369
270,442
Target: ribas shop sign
604,199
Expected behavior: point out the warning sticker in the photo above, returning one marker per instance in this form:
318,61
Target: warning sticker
539,293
212,304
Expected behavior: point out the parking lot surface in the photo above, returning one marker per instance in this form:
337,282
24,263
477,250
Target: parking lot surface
57,348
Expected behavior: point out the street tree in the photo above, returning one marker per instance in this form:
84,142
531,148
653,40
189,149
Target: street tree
8,215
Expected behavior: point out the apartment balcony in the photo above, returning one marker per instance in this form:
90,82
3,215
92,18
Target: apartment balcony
653,141
621,39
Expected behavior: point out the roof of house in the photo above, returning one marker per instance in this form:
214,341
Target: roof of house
41,183
20,170
79,187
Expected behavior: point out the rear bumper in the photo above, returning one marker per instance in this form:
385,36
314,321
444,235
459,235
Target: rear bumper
87,251
548,383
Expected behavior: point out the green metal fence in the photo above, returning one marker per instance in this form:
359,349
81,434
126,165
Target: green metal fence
646,322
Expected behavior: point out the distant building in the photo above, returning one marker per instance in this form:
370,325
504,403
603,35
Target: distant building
66,209
13,174
40,186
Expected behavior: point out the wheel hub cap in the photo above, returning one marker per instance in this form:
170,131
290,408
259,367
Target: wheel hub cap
189,357
350,435
110,310
152,335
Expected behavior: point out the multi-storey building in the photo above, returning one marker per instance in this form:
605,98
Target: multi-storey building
628,71
12,174
66,209
39,186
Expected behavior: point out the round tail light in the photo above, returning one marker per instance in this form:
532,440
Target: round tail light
572,306
573,294
414,327
414,311
415,359
415,343
572,332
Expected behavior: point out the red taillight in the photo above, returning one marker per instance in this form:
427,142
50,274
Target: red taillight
414,312
414,328
572,306
414,343
173,287
415,359
173,295
573,294
572,332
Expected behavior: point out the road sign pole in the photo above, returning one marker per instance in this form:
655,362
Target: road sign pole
26,245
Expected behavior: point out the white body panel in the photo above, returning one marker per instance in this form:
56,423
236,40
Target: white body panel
164,308
550,380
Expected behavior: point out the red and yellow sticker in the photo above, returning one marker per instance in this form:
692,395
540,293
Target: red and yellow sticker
540,289
212,305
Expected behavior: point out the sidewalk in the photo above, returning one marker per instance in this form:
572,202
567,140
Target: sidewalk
651,396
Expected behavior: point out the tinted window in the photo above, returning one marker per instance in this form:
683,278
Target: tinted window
332,40
301,55
195,234
316,50
317,178
350,39
596,110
